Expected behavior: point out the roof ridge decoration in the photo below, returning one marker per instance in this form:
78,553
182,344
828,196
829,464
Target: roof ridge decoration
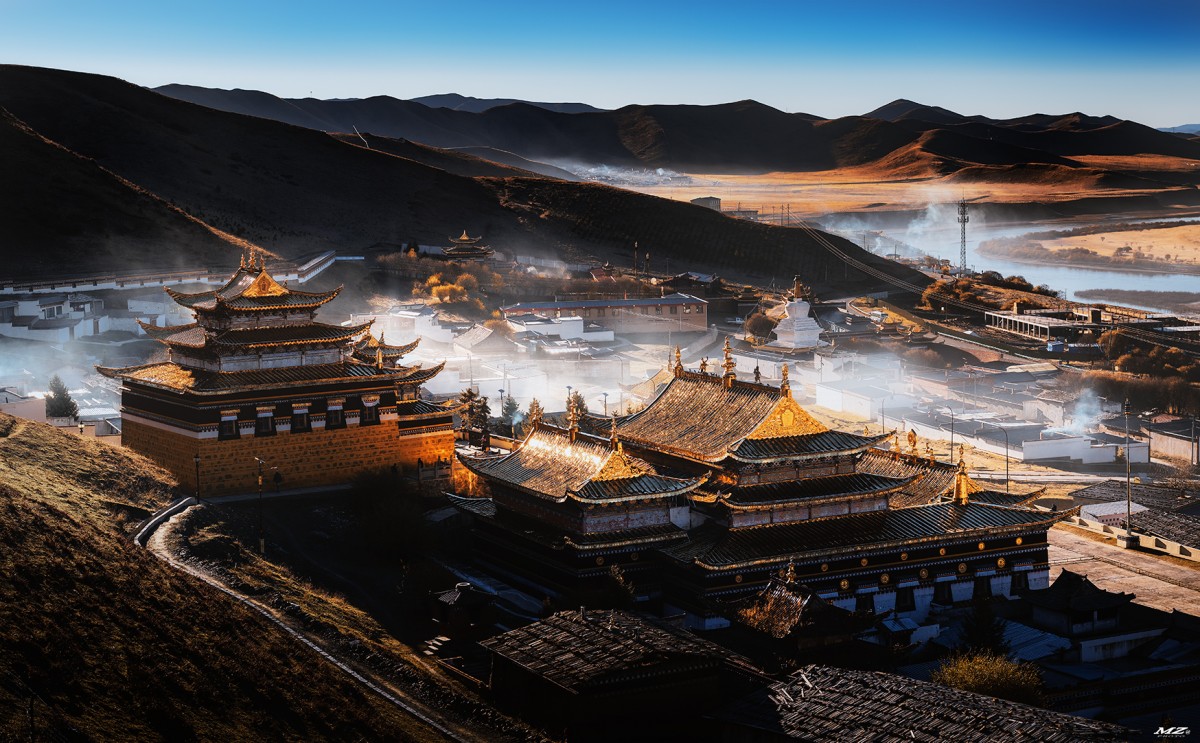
785,387
729,365
264,285
787,418
678,362
964,487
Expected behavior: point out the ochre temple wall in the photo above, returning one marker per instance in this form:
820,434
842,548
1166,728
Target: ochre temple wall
305,460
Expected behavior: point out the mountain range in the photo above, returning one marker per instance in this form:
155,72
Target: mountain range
902,139
111,176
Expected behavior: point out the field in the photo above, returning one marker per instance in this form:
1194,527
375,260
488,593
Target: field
1169,245
870,190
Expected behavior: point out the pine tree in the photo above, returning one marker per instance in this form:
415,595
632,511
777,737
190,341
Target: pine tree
58,401
534,413
580,404
480,412
509,410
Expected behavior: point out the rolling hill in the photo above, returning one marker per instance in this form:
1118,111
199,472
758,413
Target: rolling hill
294,190
741,137
100,640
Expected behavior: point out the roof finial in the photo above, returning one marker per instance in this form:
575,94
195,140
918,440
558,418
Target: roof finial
962,481
785,387
572,419
612,435
912,442
242,265
678,362
704,365
379,358
757,373
962,457
381,337
789,575
730,366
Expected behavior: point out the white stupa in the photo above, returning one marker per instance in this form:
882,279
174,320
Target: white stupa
797,330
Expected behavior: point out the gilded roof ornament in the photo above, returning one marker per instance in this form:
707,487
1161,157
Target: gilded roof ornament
704,365
678,362
785,387
757,374
572,419
730,366
912,441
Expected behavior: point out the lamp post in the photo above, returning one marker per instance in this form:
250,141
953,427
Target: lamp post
196,460
1128,482
262,541
1004,431
569,388
605,396
80,428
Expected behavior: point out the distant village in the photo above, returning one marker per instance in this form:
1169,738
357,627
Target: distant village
778,507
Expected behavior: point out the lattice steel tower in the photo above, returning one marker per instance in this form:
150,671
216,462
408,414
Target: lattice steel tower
963,218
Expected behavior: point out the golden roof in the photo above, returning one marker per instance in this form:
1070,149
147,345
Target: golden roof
264,286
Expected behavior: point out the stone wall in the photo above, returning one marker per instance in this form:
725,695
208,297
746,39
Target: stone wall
305,460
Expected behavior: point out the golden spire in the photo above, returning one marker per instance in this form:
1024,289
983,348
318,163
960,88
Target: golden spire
572,419
381,337
243,263
704,365
730,366
912,442
612,435
789,575
962,456
929,452
379,358
678,362
962,482
785,387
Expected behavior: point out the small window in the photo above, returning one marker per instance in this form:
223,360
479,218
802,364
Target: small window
370,414
645,310
658,309
264,425
300,421
905,600
587,313
335,418
942,593
983,588
700,310
1020,582
228,428
600,312
674,310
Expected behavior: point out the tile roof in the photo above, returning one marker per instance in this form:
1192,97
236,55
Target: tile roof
247,290
718,547
933,478
699,416
820,703
583,651
1153,496
549,464
812,488
176,377
786,447
636,302
1176,527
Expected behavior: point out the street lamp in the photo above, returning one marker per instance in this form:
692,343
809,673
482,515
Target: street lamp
262,541
196,460
80,428
605,396
1128,483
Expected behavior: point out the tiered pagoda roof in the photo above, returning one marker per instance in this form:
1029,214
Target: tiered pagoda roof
176,377
465,246
217,354
785,607
716,547
1074,592
563,464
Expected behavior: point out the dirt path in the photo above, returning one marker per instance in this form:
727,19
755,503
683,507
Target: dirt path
157,544
1158,580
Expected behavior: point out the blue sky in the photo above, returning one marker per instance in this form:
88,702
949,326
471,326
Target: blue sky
1133,60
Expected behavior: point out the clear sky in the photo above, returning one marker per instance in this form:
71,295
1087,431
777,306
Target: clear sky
1003,58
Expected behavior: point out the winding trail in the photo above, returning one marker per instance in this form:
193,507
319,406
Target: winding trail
153,538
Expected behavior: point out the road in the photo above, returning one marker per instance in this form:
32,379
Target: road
1159,581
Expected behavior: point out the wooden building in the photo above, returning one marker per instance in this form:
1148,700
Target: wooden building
769,489
467,248
256,377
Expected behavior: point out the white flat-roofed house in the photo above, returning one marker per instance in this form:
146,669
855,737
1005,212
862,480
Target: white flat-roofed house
673,312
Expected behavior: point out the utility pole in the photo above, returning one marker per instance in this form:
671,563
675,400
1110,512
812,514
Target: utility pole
262,541
963,218
1128,483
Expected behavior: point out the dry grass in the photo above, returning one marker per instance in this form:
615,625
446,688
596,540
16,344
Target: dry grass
110,643
1172,244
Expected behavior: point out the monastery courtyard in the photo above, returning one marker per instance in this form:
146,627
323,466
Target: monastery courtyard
1160,581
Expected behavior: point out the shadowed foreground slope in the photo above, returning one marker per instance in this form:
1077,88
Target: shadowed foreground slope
99,640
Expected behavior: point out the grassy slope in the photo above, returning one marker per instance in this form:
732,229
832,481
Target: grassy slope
117,645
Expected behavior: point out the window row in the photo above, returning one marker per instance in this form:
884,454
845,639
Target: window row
266,422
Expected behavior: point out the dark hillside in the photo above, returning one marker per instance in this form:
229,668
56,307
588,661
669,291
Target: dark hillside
100,640
296,190
65,214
